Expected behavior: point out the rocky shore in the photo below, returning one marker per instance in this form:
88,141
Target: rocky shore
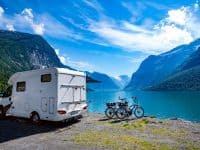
94,131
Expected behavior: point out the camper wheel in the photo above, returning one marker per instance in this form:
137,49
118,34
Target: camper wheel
35,118
2,113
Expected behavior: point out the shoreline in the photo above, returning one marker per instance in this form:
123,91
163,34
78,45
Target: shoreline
152,116
94,131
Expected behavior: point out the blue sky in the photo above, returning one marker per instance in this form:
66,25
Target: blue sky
111,37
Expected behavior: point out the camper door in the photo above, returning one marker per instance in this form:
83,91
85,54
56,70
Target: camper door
19,97
47,92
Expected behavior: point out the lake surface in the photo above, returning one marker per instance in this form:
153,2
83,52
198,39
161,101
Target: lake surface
185,105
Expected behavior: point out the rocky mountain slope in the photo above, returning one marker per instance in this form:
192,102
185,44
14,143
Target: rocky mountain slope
23,51
106,82
186,77
154,69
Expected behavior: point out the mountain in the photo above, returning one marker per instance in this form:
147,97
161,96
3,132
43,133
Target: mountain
106,82
156,68
192,61
23,51
122,81
186,77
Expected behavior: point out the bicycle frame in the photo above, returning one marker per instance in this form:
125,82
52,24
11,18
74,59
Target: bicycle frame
132,107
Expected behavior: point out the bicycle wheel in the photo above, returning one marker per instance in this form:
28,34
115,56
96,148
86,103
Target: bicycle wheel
110,112
139,112
121,113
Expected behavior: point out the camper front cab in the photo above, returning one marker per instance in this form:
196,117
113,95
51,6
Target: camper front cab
53,94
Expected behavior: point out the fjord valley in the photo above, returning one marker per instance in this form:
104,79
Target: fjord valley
99,74
175,70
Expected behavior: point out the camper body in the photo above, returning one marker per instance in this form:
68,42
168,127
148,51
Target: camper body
53,94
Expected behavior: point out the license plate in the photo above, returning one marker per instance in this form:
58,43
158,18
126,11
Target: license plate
74,112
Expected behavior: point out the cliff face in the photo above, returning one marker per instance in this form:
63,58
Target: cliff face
23,51
186,77
155,69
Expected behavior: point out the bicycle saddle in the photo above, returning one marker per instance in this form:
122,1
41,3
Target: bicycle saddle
110,104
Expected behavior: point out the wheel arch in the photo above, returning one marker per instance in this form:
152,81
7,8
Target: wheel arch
33,113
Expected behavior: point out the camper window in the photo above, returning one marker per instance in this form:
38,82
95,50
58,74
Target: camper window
46,78
21,86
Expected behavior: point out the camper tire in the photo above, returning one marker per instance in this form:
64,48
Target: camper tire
2,112
35,118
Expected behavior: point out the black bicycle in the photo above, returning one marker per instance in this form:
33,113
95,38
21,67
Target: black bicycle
125,111
112,108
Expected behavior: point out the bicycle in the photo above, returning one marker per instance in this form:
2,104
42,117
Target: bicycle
125,111
111,109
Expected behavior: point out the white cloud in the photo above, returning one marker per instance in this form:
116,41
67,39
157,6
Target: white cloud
156,5
181,26
179,16
94,4
42,24
134,28
122,38
1,11
38,28
57,51
10,27
196,5
62,58
28,15
80,65
134,10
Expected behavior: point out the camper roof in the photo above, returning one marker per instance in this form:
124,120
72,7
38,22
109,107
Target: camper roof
67,71
58,70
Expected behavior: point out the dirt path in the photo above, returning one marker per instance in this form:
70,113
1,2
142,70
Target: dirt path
96,132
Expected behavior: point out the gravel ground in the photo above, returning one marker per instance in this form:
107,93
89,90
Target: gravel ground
92,132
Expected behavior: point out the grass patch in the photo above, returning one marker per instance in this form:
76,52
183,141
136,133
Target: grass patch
117,142
139,124
135,125
132,126
169,132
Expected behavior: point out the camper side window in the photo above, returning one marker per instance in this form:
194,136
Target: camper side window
46,78
21,86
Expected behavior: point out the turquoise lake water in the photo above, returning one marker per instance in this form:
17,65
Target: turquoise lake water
184,105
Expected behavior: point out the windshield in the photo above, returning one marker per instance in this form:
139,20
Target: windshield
7,93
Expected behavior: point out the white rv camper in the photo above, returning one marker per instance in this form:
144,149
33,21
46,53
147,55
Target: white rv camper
53,94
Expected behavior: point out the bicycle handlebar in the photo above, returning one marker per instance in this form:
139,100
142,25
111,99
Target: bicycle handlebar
134,98
122,99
